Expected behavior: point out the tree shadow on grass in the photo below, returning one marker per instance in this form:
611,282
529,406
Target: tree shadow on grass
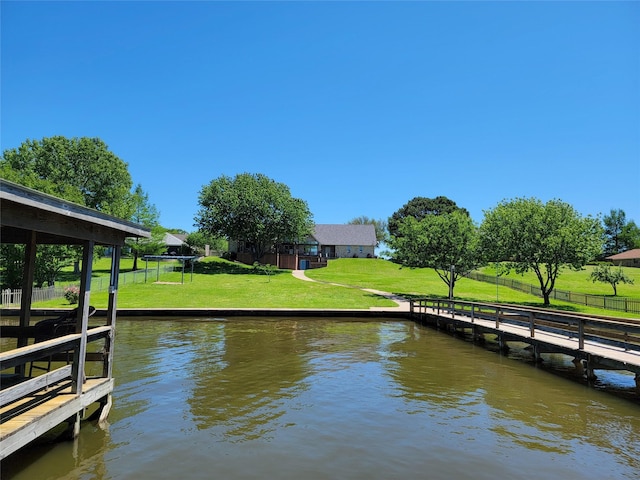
214,268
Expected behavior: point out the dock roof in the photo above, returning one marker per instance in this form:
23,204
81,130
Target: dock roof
56,221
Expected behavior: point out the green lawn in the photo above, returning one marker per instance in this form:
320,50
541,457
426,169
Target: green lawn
221,284
218,283
387,276
579,282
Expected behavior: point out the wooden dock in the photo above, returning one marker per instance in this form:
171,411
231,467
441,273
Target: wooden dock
595,343
44,381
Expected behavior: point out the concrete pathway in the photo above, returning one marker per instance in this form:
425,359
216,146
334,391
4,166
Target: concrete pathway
403,303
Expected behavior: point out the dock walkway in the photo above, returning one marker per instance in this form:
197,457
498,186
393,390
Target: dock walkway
593,342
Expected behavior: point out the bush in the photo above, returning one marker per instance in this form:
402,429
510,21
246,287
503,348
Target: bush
72,294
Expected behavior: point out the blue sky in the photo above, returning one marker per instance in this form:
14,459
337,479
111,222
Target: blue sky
357,106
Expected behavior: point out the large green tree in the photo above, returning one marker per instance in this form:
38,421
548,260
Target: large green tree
81,170
446,243
419,208
526,234
255,209
620,235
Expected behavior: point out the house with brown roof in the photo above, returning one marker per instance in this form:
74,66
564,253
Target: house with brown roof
327,241
630,258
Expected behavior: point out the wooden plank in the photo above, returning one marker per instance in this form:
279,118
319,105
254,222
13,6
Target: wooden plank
11,394
20,430
16,356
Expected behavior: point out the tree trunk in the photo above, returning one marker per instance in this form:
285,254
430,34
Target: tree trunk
135,260
545,295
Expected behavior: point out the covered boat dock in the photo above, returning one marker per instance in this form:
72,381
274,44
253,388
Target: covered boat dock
45,380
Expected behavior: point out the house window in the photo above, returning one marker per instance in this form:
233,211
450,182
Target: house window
361,249
348,248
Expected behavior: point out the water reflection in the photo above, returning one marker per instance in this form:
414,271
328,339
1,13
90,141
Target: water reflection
520,404
320,398
243,376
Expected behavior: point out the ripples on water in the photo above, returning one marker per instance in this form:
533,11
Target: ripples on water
318,398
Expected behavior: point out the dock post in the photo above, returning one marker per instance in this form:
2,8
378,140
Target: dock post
591,375
581,334
536,354
579,364
105,408
532,324
73,426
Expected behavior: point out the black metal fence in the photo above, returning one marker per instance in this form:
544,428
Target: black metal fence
620,304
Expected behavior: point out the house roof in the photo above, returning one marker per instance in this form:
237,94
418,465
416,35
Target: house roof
628,255
172,240
330,234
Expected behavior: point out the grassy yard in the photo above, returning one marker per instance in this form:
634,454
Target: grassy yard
218,283
579,282
221,284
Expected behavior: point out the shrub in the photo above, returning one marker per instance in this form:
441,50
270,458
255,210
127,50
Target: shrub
72,294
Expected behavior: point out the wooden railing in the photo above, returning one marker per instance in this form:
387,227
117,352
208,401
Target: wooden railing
39,351
611,331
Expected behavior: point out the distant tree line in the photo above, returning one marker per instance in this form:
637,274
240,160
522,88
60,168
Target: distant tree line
521,234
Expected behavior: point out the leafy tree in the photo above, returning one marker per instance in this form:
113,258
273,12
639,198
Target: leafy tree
612,276
197,242
12,262
149,246
620,235
379,225
255,209
630,237
81,170
529,235
419,208
438,242
50,260
146,214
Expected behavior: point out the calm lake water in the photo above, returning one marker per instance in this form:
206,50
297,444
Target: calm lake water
325,399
